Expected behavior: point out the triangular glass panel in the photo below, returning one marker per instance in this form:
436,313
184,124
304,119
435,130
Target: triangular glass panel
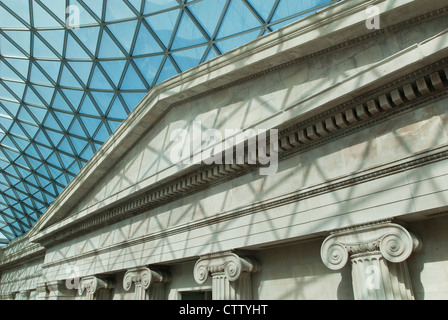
32,98
5,122
289,8
76,129
131,80
152,6
149,67
7,73
103,100
88,37
167,72
55,137
15,130
164,24
187,59
64,146
102,134
60,103
42,19
64,118
21,6
9,49
73,96
56,7
108,48
96,6
21,38
8,20
85,18
263,7
7,93
114,69
237,19
113,125
51,122
17,87
53,159
37,76
208,14
133,99
99,81
67,161
91,124
68,79
21,65
117,111
187,34
124,32
45,92
55,39
74,50
78,144
136,4
82,70
118,10
31,130
51,68
89,108
88,153
45,152
74,168
145,43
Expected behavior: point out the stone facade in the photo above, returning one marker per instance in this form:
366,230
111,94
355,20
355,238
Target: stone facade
356,207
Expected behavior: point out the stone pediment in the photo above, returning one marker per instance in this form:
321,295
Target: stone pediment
313,118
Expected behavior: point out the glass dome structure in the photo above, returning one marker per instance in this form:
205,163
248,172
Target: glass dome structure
72,70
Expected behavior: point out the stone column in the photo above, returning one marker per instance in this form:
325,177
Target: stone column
231,275
92,285
143,278
378,254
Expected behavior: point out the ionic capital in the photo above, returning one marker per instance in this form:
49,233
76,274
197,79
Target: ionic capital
143,277
92,284
392,240
227,263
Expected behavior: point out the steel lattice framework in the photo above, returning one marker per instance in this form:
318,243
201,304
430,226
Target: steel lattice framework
72,70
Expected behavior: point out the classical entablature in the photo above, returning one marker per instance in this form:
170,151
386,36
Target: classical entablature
358,115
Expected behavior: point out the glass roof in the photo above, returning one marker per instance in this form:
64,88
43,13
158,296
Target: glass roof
72,70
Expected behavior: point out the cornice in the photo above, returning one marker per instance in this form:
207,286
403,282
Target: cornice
29,252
